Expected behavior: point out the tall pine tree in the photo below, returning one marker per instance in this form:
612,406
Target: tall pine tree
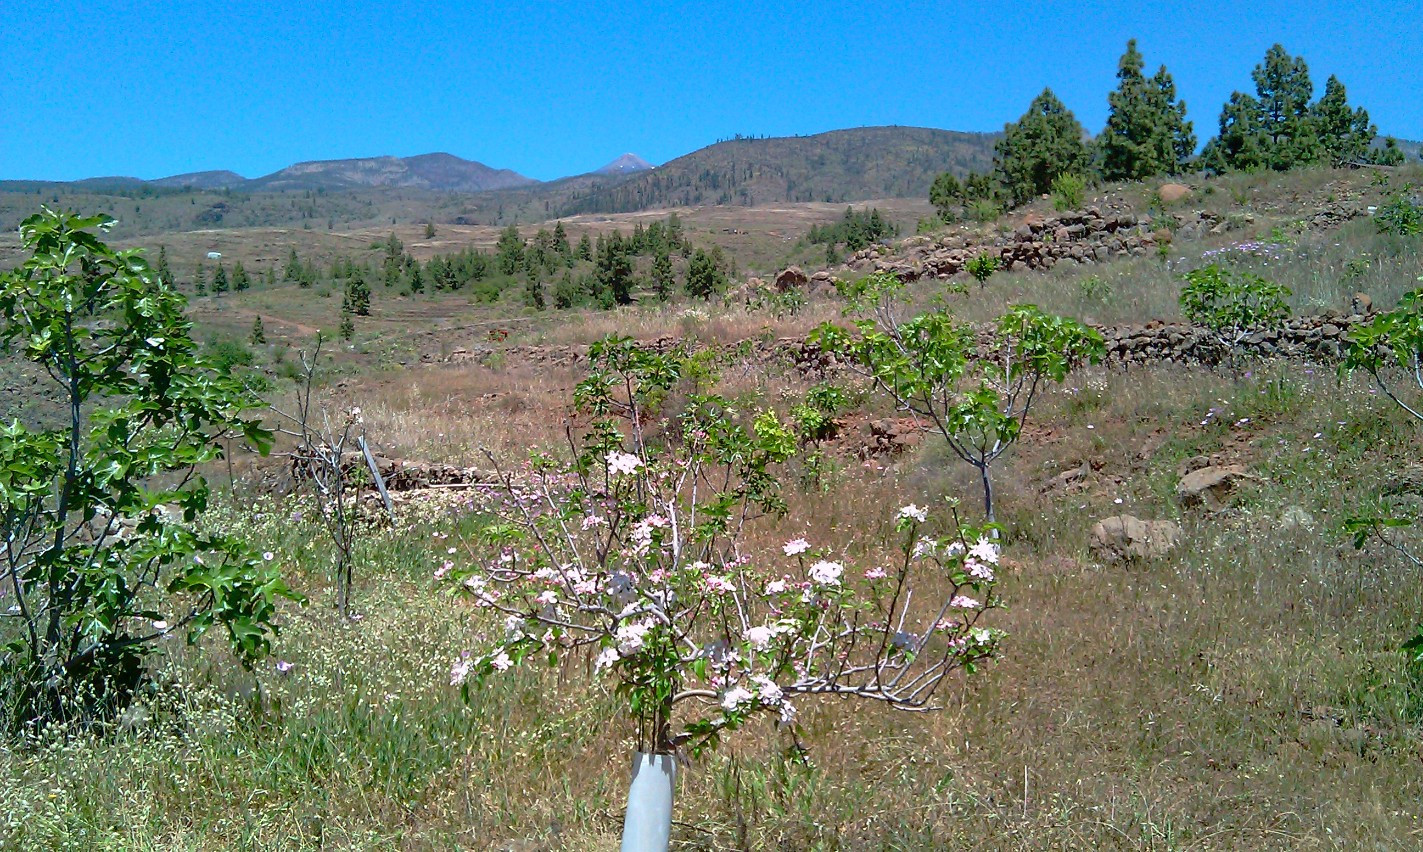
1042,145
1344,134
1147,133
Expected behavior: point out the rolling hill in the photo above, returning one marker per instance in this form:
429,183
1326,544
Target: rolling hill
442,172
839,166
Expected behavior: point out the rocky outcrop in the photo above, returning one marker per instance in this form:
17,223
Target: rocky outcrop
1123,538
1317,336
1211,486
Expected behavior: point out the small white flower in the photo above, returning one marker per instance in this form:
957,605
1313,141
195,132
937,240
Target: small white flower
268,556
160,625
501,662
826,573
547,596
735,697
775,587
760,637
767,690
963,602
460,670
605,658
623,463
796,547
985,551
914,512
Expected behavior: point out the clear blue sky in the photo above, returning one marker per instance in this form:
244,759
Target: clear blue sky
561,87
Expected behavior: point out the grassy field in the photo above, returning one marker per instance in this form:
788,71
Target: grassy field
1245,691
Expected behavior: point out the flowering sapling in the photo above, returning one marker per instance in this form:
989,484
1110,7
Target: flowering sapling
698,632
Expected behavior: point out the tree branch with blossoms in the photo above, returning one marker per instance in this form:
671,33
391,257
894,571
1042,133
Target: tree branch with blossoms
636,554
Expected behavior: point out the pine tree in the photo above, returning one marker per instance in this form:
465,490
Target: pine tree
1241,144
560,240
1045,143
293,269
219,280
200,280
585,248
240,280
417,280
704,277
1147,133
946,194
510,250
271,276
259,334
614,271
1283,90
534,293
429,230
358,295
662,275
348,322
1344,134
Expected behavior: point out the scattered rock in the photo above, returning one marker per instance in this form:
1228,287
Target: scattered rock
1169,193
1362,304
792,277
1211,486
1123,538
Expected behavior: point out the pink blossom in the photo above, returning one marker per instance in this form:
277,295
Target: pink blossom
875,574
980,570
985,551
444,569
501,662
760,637
460,670
963,602
623,463
735,697
796,547
719,585
775,587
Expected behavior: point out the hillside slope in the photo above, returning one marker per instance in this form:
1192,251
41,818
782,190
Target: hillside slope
444,172
839,166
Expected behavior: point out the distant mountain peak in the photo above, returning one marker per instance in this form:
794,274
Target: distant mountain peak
624,165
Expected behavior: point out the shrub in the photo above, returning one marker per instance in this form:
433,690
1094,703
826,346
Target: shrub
1232,303
982,267
1399,216
104,554
1067,192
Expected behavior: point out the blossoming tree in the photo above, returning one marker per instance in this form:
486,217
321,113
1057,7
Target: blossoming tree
636,554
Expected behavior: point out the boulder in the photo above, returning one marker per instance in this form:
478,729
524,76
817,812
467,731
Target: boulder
1172,192
1211,486
791,277
1122,538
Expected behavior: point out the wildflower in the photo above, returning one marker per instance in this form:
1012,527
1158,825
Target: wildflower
623,463
444,569
735,697
826,573
283,666
963,602
914,513
796,547
268,556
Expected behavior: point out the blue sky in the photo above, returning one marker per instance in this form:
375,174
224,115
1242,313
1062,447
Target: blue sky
556,88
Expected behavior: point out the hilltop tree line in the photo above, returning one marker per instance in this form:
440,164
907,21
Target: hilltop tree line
1147,135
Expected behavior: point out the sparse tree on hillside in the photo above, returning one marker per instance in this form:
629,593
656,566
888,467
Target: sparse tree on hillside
259,334
200,280
1147,133
358,294
293,270
614,271
510,250
585,247
429,230
1344,133
705,277
219,280
1046,142
240,279
663,279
